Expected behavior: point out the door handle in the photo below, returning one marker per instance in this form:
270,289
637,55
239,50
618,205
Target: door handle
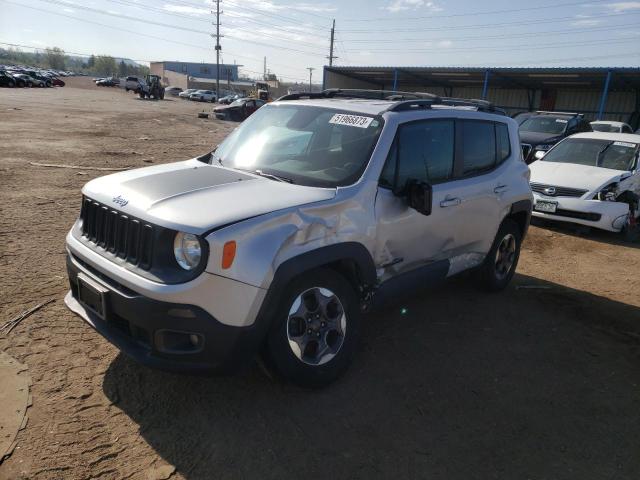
501,189
450,202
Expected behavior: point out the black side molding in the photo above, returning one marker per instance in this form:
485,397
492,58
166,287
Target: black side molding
405,284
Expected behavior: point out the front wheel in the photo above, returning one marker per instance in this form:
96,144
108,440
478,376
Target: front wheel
315,330
500,264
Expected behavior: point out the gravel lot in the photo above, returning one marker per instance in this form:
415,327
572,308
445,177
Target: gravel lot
538,382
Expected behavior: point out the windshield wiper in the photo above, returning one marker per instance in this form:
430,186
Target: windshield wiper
270,176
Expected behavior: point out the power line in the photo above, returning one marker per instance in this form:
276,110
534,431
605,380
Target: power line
164,39
484,25
491,37
474,14
187,29
505,49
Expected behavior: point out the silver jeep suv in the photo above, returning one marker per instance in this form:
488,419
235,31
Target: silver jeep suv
316,209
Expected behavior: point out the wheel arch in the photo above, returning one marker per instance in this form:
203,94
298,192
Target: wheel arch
520,213
350,259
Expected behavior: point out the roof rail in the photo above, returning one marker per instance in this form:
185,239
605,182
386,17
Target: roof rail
392,95
403,100
479,105
574,114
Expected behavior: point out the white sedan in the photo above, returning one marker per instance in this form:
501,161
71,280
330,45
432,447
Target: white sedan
610,126
590,179
203,96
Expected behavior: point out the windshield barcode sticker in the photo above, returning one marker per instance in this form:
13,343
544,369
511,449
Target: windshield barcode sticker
625,144
351,120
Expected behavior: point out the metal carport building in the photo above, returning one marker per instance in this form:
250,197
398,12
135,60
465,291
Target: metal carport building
604,93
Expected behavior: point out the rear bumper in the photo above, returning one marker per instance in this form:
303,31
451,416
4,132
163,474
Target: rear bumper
611,216
157,333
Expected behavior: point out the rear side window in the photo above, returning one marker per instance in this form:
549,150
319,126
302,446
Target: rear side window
503,145
478,146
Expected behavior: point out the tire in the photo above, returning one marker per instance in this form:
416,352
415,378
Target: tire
502,260
141,94
292,348
11,84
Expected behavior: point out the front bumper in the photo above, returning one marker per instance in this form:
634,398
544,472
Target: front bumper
156,333
611,216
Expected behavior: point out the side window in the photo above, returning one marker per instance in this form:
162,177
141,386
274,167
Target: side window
478,146
503,144
626,129
425,152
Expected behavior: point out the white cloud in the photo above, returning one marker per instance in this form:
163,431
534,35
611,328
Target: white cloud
624,6
68,10
402,5
185,9
445,43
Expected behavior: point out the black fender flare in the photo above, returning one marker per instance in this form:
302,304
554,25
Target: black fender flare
295,266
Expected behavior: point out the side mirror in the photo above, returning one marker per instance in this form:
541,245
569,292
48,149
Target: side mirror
420,196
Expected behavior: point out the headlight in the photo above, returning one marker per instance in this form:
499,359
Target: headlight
187,250
539,154
608,193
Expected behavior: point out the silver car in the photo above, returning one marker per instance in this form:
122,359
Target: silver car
311,213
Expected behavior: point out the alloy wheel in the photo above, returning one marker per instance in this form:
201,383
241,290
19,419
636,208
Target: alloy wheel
505,256
316,326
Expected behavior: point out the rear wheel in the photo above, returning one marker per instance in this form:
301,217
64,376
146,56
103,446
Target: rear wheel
316,328
500,264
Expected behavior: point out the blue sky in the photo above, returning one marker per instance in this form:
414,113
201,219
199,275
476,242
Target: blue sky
294,35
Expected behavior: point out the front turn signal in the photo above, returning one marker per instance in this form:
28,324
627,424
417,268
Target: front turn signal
228,254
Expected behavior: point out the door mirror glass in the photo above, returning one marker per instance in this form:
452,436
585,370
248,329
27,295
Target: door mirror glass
420,196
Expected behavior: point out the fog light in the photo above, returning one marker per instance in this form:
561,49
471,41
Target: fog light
194,339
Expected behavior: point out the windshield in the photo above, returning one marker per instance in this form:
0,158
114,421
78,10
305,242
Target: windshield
604,127
550,125
310,145
594,153
237,103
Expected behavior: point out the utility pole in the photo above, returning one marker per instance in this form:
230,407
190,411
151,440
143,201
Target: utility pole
333,31
311,69
264,74
218,48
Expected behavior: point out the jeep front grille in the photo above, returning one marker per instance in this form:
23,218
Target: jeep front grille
555,191
123,236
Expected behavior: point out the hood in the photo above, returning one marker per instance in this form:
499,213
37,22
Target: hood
195,197
574,176
536,138
224,108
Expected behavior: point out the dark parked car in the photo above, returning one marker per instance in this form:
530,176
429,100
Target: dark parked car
108,82
238,110
57,82
6,80
542,130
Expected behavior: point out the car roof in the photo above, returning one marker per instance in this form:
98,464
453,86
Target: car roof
357,105
608,122
616,137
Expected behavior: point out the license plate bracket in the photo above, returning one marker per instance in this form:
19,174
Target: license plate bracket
92,295
545,206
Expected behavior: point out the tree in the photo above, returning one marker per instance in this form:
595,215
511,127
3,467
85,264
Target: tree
91,62
105,65
55,58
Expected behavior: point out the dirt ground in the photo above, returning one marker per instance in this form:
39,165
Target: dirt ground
538,382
